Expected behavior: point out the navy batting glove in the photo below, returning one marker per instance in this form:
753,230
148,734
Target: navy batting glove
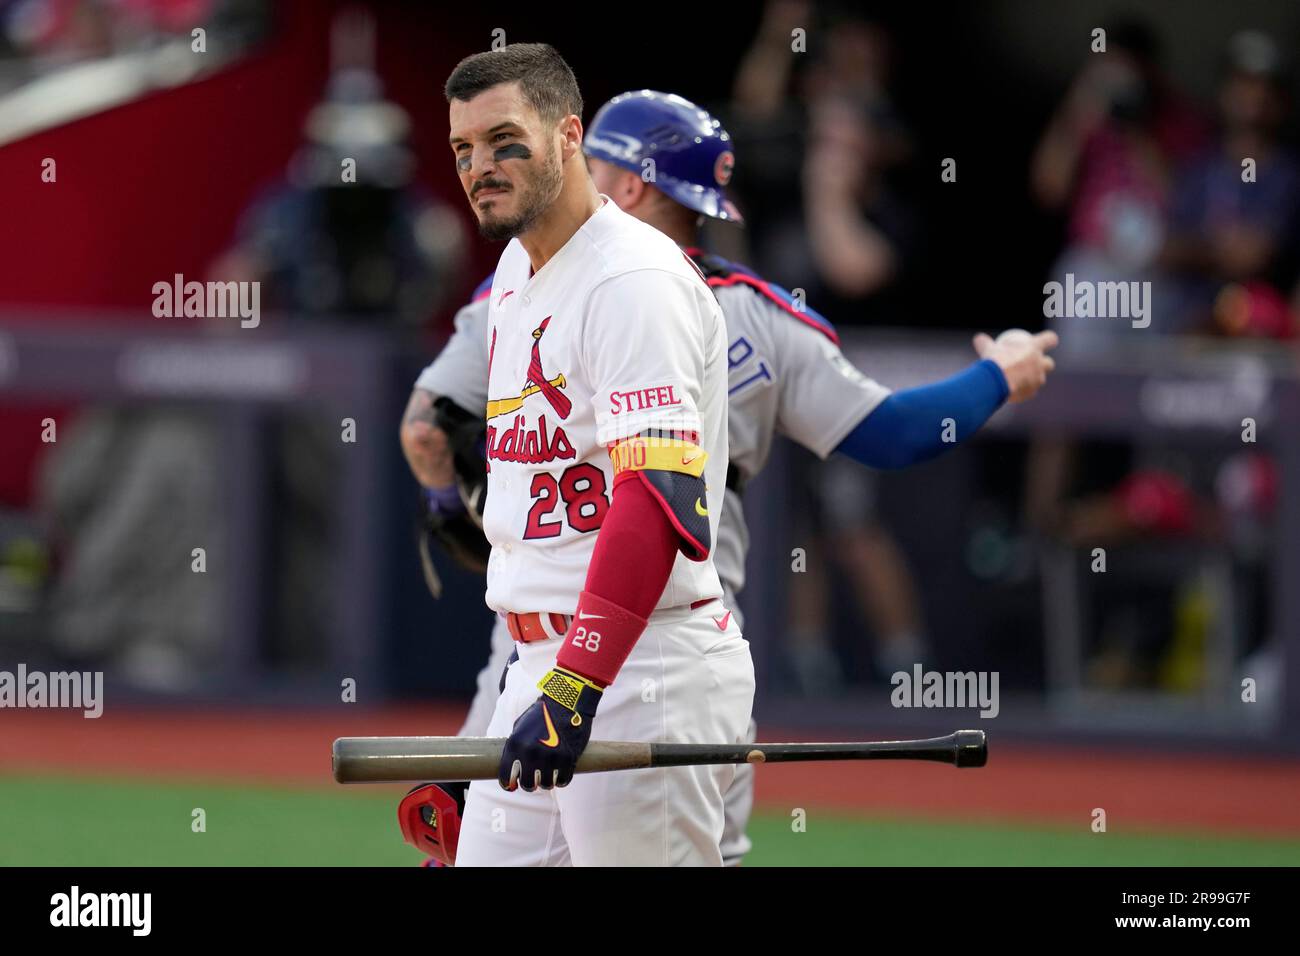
549,737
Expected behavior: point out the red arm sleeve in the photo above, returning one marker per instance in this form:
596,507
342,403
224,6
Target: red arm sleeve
634,554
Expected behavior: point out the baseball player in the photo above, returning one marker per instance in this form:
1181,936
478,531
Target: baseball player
606,457
785,369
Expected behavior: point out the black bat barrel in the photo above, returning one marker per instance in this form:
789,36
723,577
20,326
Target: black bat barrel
965,748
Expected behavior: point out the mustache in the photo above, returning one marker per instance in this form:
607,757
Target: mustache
487,184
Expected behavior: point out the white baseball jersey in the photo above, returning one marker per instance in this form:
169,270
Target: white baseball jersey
786,374
617,334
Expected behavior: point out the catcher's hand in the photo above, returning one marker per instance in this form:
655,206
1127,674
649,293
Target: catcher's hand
1022,357
458,535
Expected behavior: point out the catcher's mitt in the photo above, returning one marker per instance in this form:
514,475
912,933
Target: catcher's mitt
459,534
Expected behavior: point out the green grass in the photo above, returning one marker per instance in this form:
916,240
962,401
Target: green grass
832,840
50,821
47,821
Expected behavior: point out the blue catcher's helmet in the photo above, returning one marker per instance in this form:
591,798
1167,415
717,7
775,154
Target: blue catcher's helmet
692,153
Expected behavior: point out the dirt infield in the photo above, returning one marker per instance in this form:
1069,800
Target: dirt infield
1021,784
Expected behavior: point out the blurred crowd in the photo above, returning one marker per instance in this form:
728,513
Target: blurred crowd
1201,200
1146,183
41,38
1202,203
345,236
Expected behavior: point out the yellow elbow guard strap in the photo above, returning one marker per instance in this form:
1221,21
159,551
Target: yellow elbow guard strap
673,470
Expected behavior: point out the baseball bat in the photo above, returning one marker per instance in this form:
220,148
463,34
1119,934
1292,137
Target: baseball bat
434,759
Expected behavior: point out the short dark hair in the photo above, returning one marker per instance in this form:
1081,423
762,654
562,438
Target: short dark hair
548,84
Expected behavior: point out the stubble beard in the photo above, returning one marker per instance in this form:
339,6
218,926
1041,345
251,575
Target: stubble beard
536,200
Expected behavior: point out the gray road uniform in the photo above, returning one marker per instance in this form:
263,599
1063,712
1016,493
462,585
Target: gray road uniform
786,374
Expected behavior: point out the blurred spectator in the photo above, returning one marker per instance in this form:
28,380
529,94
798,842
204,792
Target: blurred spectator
858,230
128,495
1107,159
369,246
1226,230
373,250
817,146
851,250
843,522
818,138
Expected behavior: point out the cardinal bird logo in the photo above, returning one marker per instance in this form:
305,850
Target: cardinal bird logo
536,377
535,383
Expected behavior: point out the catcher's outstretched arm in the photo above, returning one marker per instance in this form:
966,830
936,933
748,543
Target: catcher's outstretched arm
908,426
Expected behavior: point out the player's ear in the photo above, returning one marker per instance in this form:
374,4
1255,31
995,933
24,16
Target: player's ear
570,137
633,188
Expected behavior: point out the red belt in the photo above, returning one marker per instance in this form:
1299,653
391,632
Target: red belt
538,626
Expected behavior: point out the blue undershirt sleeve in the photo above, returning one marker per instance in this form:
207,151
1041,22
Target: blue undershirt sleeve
908,426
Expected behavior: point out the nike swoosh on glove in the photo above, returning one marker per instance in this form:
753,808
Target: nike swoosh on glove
548,738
